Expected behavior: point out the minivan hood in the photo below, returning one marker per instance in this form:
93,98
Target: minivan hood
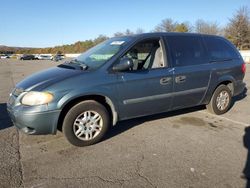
43,79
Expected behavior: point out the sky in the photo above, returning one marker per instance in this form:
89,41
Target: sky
47,23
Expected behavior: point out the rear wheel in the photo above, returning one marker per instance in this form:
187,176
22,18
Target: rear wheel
86,123
220,101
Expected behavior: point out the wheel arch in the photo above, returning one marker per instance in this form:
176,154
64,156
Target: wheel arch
104,100
227,80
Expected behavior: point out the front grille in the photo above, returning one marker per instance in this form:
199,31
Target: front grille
17,91
13,96
11,100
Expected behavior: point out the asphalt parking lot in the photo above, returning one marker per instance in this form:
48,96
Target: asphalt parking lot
186,148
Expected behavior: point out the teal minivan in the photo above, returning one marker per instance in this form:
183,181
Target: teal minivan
128,77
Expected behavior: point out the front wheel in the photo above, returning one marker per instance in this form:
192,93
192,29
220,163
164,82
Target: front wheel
220,101
86,123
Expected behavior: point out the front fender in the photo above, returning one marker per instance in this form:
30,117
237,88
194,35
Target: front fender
104,92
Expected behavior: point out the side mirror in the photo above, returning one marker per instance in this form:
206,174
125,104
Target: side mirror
124,65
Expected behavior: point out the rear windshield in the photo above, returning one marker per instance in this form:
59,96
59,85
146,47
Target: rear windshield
220,49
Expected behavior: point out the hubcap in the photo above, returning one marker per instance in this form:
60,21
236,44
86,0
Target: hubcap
222,100
88,125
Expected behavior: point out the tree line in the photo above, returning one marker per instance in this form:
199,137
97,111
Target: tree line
237,31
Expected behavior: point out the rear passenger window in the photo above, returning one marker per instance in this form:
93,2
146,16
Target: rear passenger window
219,49
187,50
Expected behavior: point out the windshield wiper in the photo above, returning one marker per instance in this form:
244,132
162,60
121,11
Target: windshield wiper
80,63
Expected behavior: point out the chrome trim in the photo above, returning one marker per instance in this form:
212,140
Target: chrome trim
17,91
15,96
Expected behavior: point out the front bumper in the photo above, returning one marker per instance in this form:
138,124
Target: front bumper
35,123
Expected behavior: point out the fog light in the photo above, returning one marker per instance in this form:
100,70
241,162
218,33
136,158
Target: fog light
28,130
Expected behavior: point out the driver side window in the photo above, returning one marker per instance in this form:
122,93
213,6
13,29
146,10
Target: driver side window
146,55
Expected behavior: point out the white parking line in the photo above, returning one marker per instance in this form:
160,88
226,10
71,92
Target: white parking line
221,117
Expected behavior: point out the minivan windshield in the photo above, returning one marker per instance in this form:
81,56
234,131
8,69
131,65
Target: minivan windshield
100,54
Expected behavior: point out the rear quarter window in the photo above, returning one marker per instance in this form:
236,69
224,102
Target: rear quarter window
186,50
220,49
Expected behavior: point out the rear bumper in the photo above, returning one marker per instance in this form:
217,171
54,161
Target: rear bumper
35,123
239,88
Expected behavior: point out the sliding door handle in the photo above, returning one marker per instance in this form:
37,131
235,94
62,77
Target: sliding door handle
165,80
180,79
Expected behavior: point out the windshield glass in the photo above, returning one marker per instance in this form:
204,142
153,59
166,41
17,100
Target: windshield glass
100,54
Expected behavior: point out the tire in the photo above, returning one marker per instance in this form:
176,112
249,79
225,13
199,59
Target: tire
213,104
80,120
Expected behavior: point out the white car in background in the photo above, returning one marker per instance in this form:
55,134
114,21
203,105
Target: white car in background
45,57
58,57
4,56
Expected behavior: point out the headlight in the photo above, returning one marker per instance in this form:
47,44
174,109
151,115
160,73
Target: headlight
33,98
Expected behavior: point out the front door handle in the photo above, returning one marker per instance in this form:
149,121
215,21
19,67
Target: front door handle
165,80
180,79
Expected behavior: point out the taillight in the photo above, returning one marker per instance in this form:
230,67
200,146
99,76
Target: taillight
243,68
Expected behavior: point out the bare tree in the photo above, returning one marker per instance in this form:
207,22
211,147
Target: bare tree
139,31
204,27
166,25
128,32
238,29
118,34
